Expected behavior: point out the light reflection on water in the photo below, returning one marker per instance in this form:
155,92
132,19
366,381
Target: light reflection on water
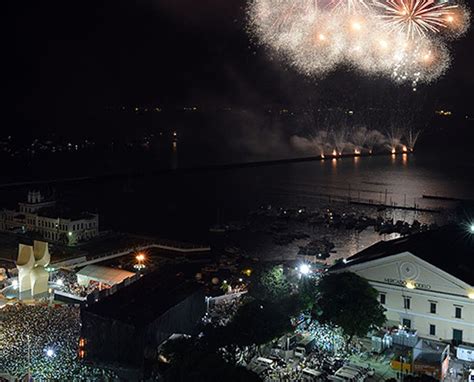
400,179
396,179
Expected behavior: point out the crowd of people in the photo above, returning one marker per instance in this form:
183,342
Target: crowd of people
67,281
328,338
327,352
222,312
43,341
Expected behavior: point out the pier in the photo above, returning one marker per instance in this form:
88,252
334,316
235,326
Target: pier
395,206
162,244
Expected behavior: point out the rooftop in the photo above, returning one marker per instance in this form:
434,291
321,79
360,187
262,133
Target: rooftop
148,298
450,248
64,213
107,275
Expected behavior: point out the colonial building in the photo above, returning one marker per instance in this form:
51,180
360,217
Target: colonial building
425,281
40,214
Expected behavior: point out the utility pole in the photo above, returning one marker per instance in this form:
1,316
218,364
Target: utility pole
29,356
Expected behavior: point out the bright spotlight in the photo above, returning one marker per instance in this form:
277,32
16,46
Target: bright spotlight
305,269
471,228
50,353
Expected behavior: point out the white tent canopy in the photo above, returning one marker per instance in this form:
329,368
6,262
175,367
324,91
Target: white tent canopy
102,274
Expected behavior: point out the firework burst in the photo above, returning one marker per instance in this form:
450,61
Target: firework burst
350,6
417,18
315,36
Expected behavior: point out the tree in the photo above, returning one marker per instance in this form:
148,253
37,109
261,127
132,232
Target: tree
307,293
204,365
255,323
349,301
270,284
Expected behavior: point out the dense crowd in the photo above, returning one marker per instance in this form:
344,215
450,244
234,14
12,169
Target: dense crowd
328,353
221,313
328,339
67,281
44,340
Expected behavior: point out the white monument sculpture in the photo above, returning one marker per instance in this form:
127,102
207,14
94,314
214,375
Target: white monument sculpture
31,263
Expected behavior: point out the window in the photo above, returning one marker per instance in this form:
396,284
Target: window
432,330
406,302
433,307
406,323
382,298
457,336
457,312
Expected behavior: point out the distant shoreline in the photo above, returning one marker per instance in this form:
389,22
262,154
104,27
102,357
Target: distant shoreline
227,166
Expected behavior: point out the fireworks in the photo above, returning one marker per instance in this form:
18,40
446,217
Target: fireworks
349,5
417,18
403,39
336,135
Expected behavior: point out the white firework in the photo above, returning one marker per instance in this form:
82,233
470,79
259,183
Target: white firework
315,37
417,18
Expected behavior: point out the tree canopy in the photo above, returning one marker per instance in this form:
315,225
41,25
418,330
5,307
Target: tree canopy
270,284
202,365
349,301
255,323
307,293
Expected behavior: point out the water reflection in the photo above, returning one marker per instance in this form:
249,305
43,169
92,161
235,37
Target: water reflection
405,159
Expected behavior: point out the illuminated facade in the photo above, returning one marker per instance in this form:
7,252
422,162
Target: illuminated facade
425,282
39,214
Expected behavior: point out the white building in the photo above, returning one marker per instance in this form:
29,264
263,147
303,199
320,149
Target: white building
39,214
425,281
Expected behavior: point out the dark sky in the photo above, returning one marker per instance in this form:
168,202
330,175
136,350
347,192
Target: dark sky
91,54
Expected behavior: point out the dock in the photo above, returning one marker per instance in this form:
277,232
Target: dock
164,245
395,206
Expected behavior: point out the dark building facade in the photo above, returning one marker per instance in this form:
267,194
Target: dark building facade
126,328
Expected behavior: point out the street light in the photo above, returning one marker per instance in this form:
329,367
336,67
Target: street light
471,228
140,259
305,269
50,353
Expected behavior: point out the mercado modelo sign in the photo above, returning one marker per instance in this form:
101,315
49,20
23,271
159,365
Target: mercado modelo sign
408,284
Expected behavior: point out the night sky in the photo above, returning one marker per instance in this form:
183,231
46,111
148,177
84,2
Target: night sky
87,56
